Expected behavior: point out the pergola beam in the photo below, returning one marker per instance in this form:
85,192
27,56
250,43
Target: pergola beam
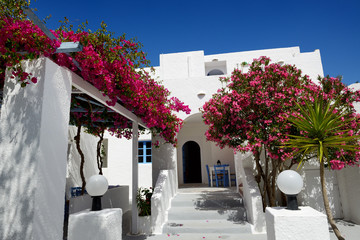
97,110
93,92
90,101
32,16
66,48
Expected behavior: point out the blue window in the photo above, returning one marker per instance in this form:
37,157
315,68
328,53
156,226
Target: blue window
144,152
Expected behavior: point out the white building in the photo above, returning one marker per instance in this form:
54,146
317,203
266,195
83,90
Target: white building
29,153
193,78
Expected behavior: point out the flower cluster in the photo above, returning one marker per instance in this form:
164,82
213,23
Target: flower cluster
20,39
110,64
252,110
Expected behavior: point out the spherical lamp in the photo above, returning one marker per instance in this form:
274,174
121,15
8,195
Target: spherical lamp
290,183
96,186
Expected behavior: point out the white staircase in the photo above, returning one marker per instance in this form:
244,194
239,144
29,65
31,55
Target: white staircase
203,213
207,210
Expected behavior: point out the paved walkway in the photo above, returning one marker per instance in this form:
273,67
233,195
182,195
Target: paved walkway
349,230
217,213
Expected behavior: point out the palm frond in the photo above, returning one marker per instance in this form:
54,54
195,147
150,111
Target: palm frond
324,123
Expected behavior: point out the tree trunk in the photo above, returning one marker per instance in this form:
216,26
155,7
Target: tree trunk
258,178
273,174
98,153
326,202
267,182
82,157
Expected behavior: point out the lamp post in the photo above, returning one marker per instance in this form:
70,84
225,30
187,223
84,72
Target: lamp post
96,186
290,183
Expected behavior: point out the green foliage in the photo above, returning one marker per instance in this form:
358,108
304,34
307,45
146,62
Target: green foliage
324,128
107,40
143,199
13,8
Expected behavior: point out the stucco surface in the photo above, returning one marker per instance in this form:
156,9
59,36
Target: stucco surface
33,135
165,189
306,223
96,225
119,170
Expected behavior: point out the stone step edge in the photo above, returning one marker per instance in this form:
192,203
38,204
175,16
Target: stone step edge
193,209
218,222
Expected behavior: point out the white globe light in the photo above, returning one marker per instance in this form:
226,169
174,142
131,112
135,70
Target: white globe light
289,182
97,185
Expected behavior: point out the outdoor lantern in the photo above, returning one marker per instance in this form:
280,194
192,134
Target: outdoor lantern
96,186
281,62
290,183
201,94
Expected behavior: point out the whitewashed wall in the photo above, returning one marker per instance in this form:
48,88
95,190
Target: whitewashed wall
119,170
250,191
194,130
349,182
88,145
33,142
114,198
311,194
163,158
184,74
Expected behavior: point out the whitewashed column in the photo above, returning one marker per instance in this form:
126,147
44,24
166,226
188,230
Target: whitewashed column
134,218
33,143
163,158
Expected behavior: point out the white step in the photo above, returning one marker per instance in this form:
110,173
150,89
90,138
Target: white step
189,213
200,236
207,202
206,226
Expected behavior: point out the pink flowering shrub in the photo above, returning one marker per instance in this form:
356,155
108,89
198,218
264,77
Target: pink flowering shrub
251,114
252,110
108,63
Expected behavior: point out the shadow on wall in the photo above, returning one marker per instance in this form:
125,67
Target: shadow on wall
19,146
32,153
163,157
20,132
116,197
164,191
88,145
311,195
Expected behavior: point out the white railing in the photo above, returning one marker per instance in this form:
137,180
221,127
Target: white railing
165,190
250,192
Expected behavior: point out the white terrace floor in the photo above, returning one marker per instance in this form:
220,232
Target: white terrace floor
200,212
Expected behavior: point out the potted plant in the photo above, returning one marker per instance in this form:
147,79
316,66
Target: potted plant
143,200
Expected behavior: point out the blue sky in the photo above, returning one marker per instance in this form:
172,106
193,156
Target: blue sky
226,26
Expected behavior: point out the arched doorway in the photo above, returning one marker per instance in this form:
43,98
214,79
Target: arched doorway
191,162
